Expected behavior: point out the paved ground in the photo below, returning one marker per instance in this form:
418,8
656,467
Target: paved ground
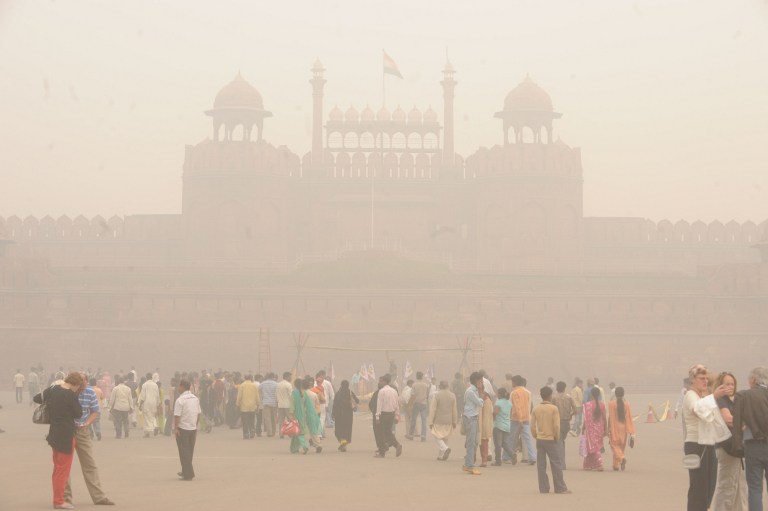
140,473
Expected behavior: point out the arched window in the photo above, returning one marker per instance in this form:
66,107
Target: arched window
366,140
414,141
350,140
430,141
398,141
335,140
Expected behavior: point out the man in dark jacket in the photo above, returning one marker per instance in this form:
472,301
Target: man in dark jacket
751,411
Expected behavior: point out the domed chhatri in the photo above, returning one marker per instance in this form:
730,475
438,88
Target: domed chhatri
367,114
430,115
414,116
239,94
528,96
398,115
528,113
336,114
237,109
352,115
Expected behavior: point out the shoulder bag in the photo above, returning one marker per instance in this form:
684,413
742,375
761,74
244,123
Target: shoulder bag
42,415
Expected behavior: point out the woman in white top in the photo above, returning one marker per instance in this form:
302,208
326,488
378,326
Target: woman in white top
698,413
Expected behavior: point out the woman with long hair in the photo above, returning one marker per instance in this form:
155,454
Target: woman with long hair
731,485
620,426
594,430
344,404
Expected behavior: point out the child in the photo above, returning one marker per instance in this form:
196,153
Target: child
502,411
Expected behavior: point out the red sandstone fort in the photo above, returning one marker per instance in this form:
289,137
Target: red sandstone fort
383,236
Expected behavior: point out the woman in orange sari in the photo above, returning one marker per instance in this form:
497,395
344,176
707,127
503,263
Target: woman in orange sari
620,425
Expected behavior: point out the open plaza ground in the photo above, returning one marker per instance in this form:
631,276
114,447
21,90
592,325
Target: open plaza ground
140,473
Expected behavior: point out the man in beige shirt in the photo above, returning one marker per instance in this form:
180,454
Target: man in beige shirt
443,418
545,428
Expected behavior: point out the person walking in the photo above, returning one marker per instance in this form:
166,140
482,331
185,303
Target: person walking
473,405
577,394
267,393
247,402
120,406
149,402
443,417
594,430
344,405
419,397
521,416
64,408
620,427
283,392
567,408
186,415
750,431
387,415
545,428
89,403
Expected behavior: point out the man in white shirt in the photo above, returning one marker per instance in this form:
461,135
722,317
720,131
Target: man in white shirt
186,414
149,400
283,394
387,414
18,381
33,383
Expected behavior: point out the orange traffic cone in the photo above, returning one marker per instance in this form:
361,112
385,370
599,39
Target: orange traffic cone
670,414
651,417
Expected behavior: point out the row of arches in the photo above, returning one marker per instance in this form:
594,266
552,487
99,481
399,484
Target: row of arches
413,141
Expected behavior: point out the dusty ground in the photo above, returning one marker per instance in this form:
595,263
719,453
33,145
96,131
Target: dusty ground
140,473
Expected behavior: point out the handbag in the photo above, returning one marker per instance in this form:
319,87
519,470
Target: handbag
42,415
290,427
691,461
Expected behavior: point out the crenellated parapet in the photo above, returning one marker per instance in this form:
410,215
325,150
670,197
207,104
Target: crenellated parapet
240,157
532,160
628,231
61,228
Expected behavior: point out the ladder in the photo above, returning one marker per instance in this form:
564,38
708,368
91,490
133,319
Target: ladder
265,352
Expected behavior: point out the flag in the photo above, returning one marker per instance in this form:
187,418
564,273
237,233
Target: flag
430,374
371,372
363,373
390,68
332,374
408,370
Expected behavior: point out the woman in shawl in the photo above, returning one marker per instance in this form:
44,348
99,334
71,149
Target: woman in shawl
595,428
620,426
298,411
344,404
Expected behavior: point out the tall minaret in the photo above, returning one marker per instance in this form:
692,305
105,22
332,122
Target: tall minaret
448,84
317,83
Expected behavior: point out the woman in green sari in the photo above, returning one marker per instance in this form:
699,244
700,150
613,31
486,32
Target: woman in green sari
298,411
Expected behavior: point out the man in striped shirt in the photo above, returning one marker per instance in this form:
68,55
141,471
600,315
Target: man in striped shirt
268,389
84,447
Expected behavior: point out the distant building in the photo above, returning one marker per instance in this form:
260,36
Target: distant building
390,182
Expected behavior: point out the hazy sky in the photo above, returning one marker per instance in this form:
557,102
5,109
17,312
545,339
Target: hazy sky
667,99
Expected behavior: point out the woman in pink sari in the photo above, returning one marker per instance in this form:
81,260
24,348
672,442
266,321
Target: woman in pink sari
594,430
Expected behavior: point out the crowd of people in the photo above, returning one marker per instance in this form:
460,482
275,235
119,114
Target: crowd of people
720,428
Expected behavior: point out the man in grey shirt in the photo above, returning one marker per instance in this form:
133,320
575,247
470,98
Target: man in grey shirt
419,396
